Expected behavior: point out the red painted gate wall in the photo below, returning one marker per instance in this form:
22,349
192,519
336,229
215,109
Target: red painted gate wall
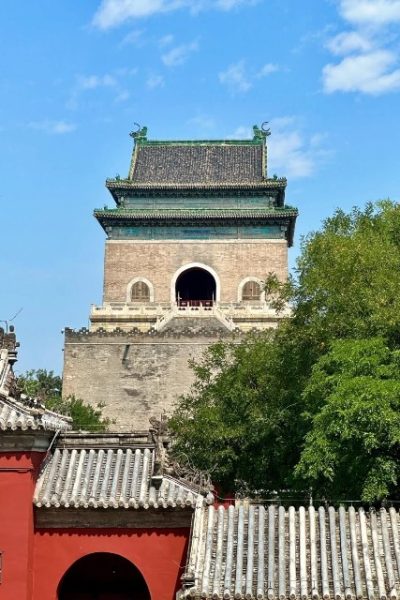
159,554
34,562
18,473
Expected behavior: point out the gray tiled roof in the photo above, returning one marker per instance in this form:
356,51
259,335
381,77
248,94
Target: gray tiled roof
109,478
22,413
16,415
306,553
197,163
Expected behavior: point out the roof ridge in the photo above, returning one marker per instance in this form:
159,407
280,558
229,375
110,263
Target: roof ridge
19,411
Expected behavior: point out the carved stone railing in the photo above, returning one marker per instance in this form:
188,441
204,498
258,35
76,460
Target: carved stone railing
159,314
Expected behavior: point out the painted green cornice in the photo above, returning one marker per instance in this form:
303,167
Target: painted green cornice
131,223
126,187
132,214
267,183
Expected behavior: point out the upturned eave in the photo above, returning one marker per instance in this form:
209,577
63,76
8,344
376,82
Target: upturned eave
197,217
126,187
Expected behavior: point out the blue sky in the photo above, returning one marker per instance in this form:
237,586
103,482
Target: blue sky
75,76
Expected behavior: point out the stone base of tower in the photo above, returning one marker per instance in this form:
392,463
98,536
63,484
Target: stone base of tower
135,375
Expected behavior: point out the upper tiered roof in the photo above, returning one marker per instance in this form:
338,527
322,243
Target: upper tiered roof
197,164
198,188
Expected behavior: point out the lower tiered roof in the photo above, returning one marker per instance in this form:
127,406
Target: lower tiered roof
87,476
249,551
199,217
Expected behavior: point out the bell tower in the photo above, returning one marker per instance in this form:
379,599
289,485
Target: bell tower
196,228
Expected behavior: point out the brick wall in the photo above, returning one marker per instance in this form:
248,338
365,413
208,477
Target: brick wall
232,260
134,376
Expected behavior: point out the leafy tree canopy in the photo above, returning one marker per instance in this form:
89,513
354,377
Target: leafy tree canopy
290,410
347,277
46,387
236,421
352,402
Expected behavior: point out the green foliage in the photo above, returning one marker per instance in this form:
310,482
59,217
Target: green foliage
353,406
348,276
46,387
296,409
239,422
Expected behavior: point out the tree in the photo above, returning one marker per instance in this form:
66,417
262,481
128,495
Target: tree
46,387
247,417
348,276
353,406
238,422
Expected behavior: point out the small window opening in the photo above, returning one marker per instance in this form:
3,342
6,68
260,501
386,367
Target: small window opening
140,292
251,291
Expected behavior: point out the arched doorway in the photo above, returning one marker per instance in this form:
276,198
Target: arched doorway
195,286
103,576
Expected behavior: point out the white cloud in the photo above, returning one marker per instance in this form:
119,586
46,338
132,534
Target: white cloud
347,42
229,4
268,69
372,73
289,155
154,81
178,55
239,78
134,38
369,64
290,152
53,127
112,13
370,12
91,82
235,77
166,40
241,133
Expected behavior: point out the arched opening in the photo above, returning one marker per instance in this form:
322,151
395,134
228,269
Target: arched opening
103,576
140,292
195,287
251,291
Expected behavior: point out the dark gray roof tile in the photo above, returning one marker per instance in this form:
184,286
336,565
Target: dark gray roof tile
197,163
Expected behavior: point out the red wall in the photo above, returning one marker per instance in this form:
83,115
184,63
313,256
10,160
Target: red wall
34,562
158,554
17,479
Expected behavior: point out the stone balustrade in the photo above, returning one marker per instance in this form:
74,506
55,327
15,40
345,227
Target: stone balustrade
157,315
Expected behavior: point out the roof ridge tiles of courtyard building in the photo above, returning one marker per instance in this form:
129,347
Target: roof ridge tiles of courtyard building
251,551
119,470
19,411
